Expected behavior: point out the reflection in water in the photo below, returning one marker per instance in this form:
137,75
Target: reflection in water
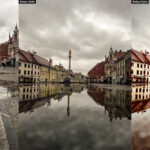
49,128
140,98
140,117
117,103
34,96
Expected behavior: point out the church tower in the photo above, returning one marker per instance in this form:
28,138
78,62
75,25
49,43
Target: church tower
13,45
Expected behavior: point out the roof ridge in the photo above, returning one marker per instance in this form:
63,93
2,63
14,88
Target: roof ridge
135,51
23,54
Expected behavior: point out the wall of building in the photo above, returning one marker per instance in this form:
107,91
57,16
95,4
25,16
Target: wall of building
26,69
138,70
97,73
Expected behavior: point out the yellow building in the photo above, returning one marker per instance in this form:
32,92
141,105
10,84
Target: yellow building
33,68
29,69
61,73
48,74
45,74
53,77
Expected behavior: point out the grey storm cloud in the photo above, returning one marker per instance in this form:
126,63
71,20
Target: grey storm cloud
8,18
88,28
141,27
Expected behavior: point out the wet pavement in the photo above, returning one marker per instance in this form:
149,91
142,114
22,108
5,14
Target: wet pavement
64,117
8,117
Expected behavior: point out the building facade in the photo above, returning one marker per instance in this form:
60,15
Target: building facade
96,74
110,63
123,68
29,69
140,67
3,51
13,45
33,68
9,49
105,71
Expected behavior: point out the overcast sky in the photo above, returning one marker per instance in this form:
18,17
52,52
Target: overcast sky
8,18
141,27
87,27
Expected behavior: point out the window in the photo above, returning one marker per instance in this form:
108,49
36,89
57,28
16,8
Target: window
24,72
28,72
25,65
132,64
19,71
136,96
28,66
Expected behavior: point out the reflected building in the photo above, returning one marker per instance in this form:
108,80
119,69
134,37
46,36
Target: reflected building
37,95
117,103
140,97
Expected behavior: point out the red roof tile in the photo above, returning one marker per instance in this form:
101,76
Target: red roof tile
119,54
140,57
41,61
26,56
33,58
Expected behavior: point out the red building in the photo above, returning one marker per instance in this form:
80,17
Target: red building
96,74
3,51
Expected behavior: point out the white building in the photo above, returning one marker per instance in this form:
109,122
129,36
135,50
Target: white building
140,67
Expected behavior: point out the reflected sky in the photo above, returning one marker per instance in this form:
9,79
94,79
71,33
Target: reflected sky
74,117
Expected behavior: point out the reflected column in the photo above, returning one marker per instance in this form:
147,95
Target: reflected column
68,107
